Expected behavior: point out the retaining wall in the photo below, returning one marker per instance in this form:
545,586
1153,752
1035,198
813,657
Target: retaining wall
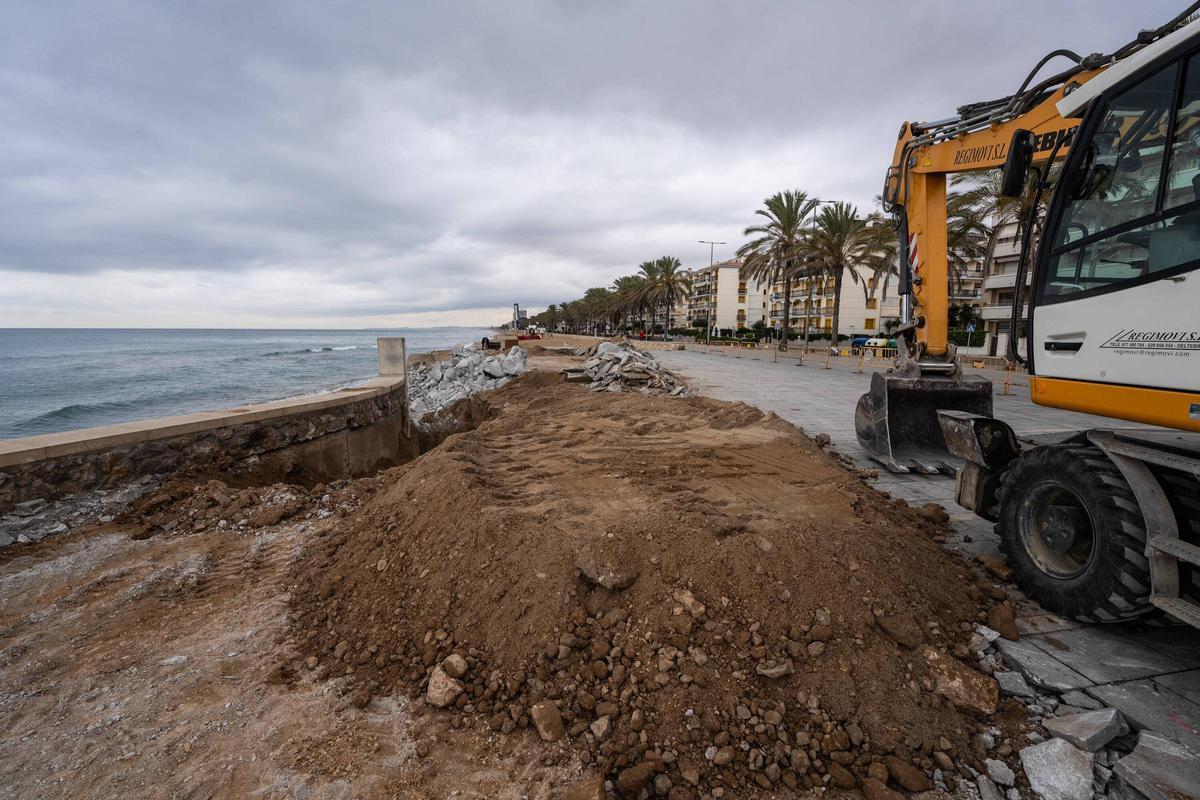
307,439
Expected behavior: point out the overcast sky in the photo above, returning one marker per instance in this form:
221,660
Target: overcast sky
321,164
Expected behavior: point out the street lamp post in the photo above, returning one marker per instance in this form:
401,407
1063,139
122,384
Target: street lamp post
712,249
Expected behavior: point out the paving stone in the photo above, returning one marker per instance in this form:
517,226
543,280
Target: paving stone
1090,730
1104,656
1146,705
1186,684
1039,667
1080,700
1044,622
1057,770
1180,642
1013,684
1161,769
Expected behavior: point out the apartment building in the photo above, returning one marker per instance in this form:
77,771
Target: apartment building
720,294
860,315
999,288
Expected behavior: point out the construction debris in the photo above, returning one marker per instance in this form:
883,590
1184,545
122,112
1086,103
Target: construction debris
432,387
617,367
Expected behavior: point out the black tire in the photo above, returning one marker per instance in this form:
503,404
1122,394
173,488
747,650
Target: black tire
1074,534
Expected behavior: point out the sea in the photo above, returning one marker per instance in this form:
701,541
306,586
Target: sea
55,380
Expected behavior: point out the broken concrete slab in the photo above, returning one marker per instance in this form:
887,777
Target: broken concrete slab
1057,770
1103,655
1013,684
1039,667
1090,730
1186,684
1161,769
1179,642
1080,700
1149,706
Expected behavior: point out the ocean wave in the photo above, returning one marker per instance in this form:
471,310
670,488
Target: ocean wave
74,412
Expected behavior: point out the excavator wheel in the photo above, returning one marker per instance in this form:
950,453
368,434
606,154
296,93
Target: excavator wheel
1074,535
1182,491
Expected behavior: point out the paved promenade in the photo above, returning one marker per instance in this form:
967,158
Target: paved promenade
1151,674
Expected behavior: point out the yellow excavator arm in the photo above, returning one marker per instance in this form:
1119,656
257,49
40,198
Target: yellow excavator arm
916,183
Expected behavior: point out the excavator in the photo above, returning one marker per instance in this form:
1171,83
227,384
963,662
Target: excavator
1102,160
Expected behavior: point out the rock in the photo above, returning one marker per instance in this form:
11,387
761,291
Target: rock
172,661
600,728
874,789
1057,770
455,665
822,440
724,756
996,565
514,362
630,780
609,572
902,629
548,721
906,775
841,776
442,690
493,367
987,789
590,789
1161,769
1090,730
1081,700
775,669
689,602
961,685
1013,684
999,772
933,512
1003,619
662,784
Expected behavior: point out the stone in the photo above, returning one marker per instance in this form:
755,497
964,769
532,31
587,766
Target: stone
600,728
775,669
1013,684
1057,770
1090,730
689,602
1160,768
841,776
723,756
902,629
442,690
1147,705
1079,699
455,665
996,565
589,789
987,789
933,512
999,772
493,367
874,789
1040,668
607,572
1003,619
967,689
906,775
630,780
547,720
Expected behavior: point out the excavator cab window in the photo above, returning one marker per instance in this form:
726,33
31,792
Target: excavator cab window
1133,205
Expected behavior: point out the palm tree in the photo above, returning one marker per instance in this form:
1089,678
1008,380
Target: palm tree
627,297
663,282
841,239
774,252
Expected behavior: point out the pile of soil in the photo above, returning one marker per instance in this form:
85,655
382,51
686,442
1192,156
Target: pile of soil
692,597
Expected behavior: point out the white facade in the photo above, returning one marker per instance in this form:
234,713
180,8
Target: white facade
859,315
999,288
720,294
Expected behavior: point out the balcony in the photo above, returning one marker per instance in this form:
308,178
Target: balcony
1001,312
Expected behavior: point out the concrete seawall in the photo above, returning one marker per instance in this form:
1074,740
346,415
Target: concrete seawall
307,439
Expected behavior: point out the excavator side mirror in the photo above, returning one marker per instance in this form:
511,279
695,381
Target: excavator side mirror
1016,165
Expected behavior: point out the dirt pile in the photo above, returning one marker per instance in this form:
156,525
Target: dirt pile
617,367
689,595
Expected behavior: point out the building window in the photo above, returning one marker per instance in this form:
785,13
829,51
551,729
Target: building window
873,303
869,323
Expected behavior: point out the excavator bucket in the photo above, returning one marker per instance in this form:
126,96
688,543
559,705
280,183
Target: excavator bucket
897,420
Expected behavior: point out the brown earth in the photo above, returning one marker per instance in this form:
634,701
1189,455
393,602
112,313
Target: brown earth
167,654
647,560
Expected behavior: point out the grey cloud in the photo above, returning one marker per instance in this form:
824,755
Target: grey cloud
388,159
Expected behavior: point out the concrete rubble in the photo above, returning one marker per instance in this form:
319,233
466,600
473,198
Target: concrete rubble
617,367
1090,730
1057,770
34,520
432,387
1160,769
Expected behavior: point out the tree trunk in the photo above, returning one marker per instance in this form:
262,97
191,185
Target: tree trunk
837,302
787,309
808,312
